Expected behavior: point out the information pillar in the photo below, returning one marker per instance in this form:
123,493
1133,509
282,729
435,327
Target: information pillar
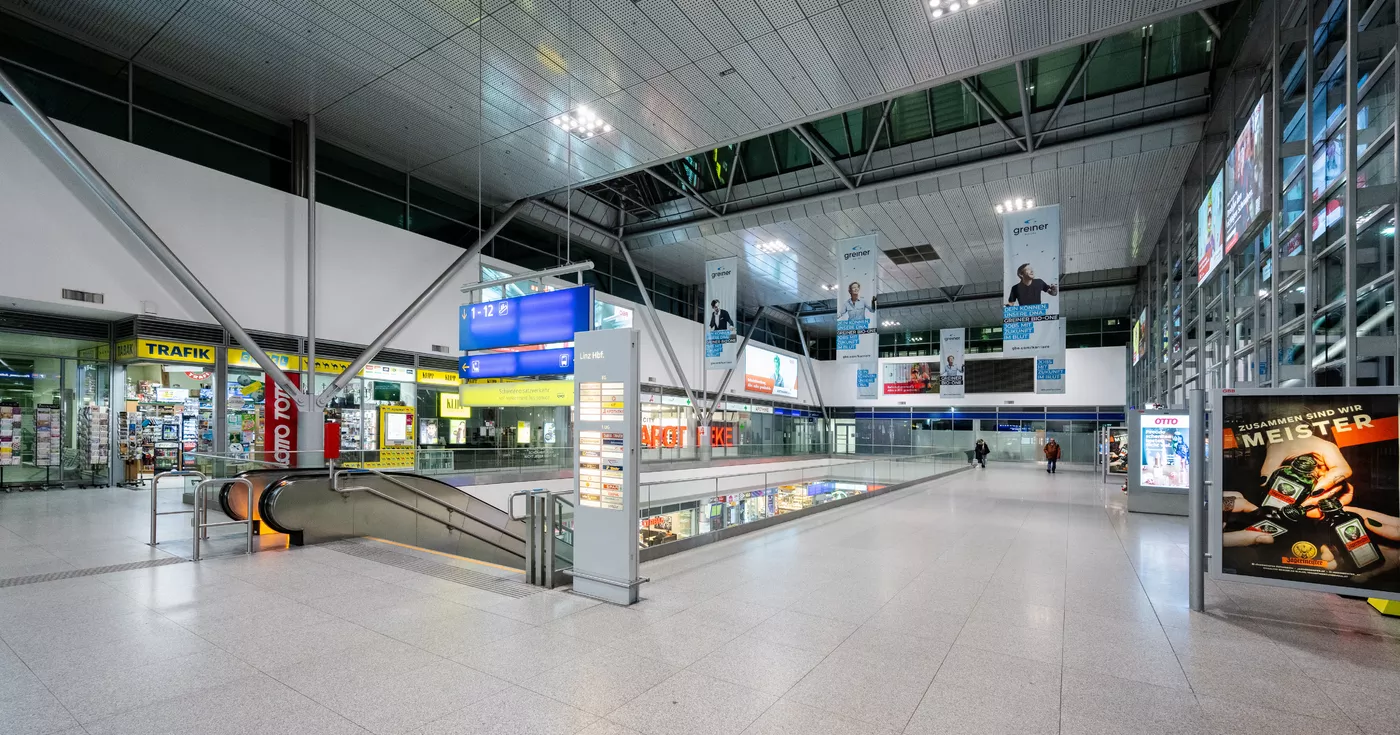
607,426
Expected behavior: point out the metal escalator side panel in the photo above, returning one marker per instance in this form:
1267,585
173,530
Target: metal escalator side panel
307,509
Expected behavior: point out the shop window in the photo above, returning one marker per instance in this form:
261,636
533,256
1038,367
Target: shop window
195,146
160,95
341,195
71,104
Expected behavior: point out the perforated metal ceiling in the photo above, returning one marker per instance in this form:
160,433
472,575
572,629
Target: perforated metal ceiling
424,85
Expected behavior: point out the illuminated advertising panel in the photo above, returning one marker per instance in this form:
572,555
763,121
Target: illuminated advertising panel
1164,452
769,372
1210,250
1244,178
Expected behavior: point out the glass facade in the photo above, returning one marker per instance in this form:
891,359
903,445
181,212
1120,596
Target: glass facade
1306,295
54,411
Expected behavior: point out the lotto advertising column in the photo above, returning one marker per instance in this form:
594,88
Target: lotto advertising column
951,371
1310,491
1031,262
721,300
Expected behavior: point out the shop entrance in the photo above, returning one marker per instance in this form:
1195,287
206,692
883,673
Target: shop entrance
845,437
167,418
54,423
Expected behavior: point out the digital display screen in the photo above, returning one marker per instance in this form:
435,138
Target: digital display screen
769,372
535,319
1244,179
1210,250
518,364
388,392
1163,450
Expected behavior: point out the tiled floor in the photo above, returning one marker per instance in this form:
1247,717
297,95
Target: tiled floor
1003,601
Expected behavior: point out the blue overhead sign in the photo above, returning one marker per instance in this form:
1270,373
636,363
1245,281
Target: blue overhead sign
518,364
535,319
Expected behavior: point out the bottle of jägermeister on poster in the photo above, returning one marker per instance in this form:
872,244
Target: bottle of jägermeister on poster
1292,482
1285,524
1348,530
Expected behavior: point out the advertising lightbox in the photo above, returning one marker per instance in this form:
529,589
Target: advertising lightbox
1306,489
909,378
1164,451
1244,178
1210,250
769,372
1140,337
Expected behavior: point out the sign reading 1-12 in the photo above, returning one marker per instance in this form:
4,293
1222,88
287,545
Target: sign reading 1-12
554,316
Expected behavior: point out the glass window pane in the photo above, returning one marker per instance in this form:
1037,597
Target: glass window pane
70,104
1178,46
855,124
28,44
357,169
1329,278
832,131
158,94
1375,250
442,202
999,88
758,159
1117,65
194,146
909,118
792,152
1049,74
954,109
351,198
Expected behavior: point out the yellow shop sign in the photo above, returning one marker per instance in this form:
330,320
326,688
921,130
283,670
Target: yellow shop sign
149,349
438,377
242,358
450,407
527,393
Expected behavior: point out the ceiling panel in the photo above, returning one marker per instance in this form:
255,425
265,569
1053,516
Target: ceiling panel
681,74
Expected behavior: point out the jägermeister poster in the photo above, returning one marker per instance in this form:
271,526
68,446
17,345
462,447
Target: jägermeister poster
1310,489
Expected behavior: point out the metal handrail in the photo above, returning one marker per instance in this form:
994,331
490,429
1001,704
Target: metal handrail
201,511
155,483
238,460
855,459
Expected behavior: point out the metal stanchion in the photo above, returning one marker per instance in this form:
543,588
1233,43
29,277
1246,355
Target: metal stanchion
201,512
1197,499
155,484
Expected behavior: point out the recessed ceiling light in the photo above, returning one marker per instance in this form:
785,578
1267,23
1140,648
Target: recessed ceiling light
941,7
772,247
582,122
829,287
1014,205
889,323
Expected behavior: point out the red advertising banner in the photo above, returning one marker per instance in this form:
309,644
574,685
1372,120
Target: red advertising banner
281,437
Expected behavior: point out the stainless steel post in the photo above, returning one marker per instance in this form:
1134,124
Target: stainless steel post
311,433
548,539
1196,516
530,576
143,232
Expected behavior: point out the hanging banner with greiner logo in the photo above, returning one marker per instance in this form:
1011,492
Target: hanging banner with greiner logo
1031,275
1050,364
951,369
857,338
721,306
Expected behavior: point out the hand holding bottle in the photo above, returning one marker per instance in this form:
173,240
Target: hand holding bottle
1334,467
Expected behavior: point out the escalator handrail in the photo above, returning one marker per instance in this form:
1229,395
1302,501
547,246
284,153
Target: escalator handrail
406,506
335,485
222,495
268,501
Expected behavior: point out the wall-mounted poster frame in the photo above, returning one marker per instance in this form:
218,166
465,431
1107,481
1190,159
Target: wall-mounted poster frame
1348,444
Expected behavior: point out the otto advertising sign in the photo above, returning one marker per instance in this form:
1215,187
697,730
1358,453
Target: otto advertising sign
1164,451
857,338
282,422
1031,274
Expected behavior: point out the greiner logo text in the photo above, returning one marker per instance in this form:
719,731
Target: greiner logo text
857,254
1028,228
721,274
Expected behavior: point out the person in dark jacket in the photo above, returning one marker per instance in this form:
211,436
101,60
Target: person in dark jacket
980,451
1052,454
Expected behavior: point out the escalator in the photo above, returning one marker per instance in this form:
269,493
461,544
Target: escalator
401,507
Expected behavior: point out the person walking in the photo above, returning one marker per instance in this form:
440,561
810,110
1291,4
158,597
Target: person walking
980,451
1052,454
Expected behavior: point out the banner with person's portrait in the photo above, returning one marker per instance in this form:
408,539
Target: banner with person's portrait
952,373
857,335
1308,490
1031,277
721,311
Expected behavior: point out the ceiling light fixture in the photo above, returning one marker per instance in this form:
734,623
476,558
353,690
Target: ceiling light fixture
773,247
1014,205
889,323
582,123
829,287
942,7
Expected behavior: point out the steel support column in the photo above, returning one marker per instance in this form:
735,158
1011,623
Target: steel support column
1353,72
819,151
728,374
987,107
874,140
1025,104
409,313
143,232
311,419
656,320
812,375
733,174
1079,68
